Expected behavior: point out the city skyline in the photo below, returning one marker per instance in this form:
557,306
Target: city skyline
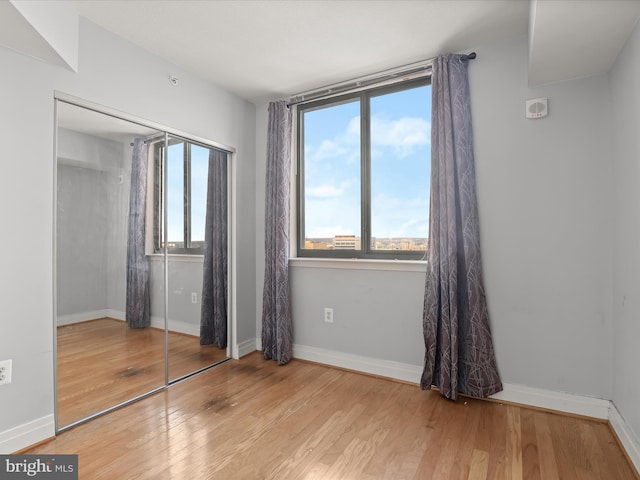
353,242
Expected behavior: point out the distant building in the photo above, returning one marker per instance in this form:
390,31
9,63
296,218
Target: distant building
318,245
346,242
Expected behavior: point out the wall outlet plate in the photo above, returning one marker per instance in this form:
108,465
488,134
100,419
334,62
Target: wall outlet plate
328,315
5,372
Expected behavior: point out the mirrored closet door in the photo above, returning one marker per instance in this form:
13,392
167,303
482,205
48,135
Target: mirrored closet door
197,253
141,286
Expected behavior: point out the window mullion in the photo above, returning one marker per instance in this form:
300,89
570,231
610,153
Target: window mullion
300,182
158,233
365,174
187,196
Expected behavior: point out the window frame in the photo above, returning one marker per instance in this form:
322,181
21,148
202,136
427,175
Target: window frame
366,252
159,150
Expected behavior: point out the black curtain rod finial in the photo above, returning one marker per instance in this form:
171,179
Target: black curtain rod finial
470,56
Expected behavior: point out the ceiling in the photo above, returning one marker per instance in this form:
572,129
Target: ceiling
274,48
268,49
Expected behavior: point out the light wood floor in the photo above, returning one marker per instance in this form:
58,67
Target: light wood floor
103,362
250,419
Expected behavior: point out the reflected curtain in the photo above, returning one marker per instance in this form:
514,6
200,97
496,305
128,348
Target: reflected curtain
138,298
459,354
277,325
213,319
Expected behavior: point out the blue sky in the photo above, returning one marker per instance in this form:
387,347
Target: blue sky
400,166
175,192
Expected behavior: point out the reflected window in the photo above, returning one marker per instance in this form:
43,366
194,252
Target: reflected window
186,170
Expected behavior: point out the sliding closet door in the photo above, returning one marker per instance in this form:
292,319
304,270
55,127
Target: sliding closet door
187,183
142,258
109,299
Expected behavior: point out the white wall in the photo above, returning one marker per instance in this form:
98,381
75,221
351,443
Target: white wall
119,75
90,218
81,255
544,192
625,93
262,117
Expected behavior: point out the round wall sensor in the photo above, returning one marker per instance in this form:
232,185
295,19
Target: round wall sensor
537,108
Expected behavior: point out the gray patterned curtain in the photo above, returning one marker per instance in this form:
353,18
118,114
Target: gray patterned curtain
138,303
459,354
213,319
277,327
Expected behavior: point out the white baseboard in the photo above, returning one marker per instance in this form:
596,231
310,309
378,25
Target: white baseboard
81,317
246,347
117,314
158,322
374,366
27,434
629,440
177,326
551,400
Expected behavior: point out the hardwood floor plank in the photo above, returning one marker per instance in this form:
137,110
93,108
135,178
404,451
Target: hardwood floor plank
617,464
448,463
547,455
492,438
406,441
514,443
251,419
479,465
469,433
530,457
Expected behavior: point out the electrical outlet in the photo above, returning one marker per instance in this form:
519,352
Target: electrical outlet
328,315
194,297
5,372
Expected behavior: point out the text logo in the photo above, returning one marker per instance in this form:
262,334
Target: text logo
51,467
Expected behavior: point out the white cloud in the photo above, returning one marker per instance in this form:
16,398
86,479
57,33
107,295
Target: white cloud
404,135
325,191
353,129
329,149
414,227
391,203
400,217
346,144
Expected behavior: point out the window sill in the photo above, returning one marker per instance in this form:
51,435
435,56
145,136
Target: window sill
183,258
360,264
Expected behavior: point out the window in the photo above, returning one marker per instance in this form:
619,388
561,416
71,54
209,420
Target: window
364,165
187,166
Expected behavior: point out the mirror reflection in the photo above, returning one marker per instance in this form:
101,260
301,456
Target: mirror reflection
141,260
195,240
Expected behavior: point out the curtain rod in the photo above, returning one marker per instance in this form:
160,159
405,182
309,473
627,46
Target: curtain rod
393,75
151,138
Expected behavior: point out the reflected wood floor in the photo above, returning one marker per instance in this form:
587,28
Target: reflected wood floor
103,362
251,419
